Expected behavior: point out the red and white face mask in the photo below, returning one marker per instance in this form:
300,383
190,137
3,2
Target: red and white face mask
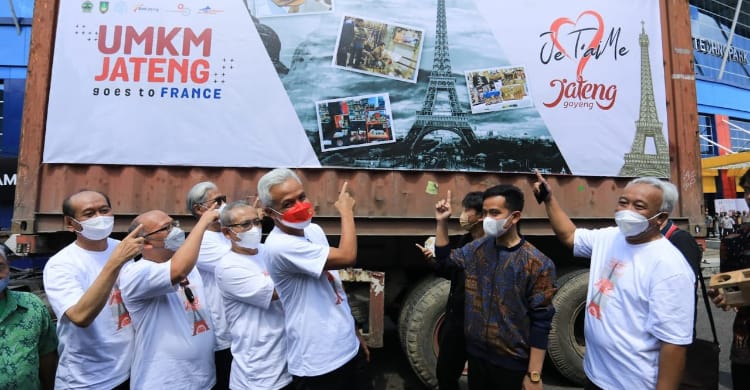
298,216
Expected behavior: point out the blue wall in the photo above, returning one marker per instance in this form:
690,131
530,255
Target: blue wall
14,57
724,99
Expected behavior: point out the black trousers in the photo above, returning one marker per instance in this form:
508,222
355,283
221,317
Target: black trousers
223,360
123,386
590,385
452,357
354,375
740,376
486,376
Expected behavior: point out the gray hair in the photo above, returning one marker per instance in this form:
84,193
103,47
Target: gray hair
197,195
225,217
669,194
272,178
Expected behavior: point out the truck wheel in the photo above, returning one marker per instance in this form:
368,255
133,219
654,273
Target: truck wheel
566,342
419,326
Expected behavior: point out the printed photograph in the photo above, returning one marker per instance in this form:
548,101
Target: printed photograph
266,8
379,48
498,89
354,122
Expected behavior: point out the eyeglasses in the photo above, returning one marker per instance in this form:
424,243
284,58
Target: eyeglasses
218,200
173,223
247,224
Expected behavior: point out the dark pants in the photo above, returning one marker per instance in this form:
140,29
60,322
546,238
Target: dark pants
223,360
486,376
740,376
354,375
123,386
452,357
589,385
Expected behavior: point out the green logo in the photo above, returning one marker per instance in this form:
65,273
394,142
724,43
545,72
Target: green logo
87,6
103,6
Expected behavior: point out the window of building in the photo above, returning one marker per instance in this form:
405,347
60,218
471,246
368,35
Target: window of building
711,22
2,109
706,130
739,132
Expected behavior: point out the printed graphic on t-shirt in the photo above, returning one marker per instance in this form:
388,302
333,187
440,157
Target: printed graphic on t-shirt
336,286
604,287
117,308
194,311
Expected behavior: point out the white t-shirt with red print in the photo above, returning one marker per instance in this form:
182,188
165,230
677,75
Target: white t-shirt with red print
213,247
256,321
174,339
638,297
99,355
319,324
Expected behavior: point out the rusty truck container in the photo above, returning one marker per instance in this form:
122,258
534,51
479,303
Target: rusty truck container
393,209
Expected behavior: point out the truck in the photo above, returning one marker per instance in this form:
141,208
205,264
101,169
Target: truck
143,100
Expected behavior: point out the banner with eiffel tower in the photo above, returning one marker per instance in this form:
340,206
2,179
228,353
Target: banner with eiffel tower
563,86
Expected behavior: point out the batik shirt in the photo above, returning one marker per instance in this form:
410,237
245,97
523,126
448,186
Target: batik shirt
26,332
508,299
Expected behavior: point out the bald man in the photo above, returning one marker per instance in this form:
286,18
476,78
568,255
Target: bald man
174,336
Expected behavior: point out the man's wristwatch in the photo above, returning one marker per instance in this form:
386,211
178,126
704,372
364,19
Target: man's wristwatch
534,376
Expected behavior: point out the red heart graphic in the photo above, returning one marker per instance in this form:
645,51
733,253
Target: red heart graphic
555,29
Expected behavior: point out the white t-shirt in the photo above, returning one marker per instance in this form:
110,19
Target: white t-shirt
174,342
256,323
98,356
319,324
638,296
213,246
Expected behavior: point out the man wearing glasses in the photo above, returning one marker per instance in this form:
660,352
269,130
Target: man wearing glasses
253,309
174,336
95,348
324,351
202,197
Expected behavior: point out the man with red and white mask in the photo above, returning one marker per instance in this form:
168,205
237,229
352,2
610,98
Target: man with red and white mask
324,350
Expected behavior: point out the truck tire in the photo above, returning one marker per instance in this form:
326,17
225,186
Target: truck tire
419,326
566,341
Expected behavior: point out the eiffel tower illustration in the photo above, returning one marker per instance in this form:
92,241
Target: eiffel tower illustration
637,162
441,80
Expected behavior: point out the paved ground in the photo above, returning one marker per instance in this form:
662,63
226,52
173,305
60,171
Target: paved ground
392,370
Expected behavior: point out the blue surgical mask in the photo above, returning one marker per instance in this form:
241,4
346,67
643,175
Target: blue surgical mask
4,283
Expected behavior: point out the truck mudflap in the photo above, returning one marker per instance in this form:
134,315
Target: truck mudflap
376,279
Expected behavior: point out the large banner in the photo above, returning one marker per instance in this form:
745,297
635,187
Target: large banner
563,86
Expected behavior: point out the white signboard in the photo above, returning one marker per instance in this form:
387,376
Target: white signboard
554,85
730,205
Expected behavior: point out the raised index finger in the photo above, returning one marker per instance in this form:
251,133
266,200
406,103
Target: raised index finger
256,203
343,187
538,175
448,197
135,232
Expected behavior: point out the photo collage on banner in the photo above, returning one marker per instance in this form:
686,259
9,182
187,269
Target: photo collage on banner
370,84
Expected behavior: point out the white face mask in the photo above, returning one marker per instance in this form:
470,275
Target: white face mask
494,227
97,228
631,223
175,239
249,239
